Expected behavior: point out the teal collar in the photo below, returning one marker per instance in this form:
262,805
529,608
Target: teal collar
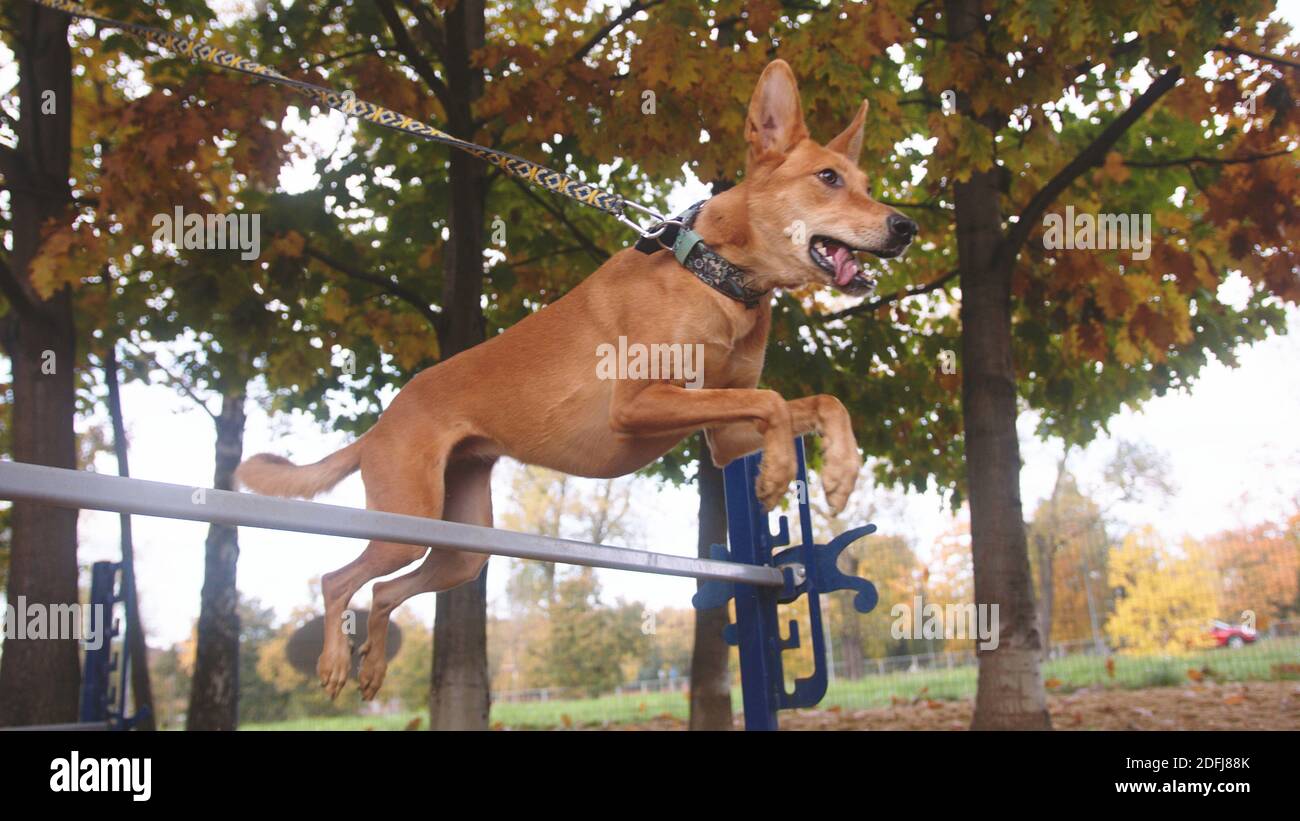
695,255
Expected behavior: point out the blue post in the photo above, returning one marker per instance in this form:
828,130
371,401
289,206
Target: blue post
98,665
756,632
105,673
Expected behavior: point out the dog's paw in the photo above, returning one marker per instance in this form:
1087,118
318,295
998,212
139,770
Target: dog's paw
839,476
333,667
374,666
843,463
774,478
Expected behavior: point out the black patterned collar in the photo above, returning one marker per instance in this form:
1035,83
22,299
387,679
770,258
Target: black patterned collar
697,257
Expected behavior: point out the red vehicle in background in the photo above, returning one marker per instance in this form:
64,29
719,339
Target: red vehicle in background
1232,635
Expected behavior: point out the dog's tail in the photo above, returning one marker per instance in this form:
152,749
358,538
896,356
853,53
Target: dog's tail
273,475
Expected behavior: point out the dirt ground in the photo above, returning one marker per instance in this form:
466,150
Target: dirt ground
1254,705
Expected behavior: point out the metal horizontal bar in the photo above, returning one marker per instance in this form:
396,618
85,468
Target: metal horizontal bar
82,489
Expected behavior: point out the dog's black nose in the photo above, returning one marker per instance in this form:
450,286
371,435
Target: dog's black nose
901,227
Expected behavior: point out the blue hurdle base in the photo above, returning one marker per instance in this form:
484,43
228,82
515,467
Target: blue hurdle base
810,570
106,672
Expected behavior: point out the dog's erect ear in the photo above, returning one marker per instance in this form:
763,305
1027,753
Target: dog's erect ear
849,142
775,122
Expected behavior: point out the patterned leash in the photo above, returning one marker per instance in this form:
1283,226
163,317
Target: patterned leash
526,170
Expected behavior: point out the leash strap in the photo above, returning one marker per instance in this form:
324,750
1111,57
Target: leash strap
695,255
526,170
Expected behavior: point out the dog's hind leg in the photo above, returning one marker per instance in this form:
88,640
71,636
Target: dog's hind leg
411,486
468,500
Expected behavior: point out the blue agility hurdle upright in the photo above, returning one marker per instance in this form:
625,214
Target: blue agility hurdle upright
809,569
106,668
106,672
752,572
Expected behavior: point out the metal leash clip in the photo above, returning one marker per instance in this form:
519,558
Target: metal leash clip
658,226
658,235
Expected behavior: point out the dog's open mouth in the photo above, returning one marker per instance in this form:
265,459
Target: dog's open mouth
841,263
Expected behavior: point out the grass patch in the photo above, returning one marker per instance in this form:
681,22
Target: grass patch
1268,659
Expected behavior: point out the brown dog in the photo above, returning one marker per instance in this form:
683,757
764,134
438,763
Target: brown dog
533,392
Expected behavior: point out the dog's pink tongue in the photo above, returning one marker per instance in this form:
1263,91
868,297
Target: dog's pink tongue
846,267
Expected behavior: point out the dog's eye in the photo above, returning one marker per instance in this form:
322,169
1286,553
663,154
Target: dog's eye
828,176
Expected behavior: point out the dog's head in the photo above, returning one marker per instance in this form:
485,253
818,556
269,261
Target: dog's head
807,206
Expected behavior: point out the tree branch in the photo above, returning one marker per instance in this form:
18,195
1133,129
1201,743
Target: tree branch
14,286
880,302
406,295
13,290
8,161
558,252
406,46
923,206
338,57
924,101
1229,48
1207,160
587,243
148,361
633,8
428,26
1093,155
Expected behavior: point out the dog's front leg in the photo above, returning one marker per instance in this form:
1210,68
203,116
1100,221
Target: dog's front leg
822,414
660,408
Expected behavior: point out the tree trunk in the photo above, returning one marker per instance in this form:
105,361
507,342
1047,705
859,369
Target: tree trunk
710,656
1046,586
40,678
459,697
1010,692
710,674
1047,540
1098,642
141,691
214,691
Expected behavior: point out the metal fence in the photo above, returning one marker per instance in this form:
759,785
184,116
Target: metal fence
866,668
